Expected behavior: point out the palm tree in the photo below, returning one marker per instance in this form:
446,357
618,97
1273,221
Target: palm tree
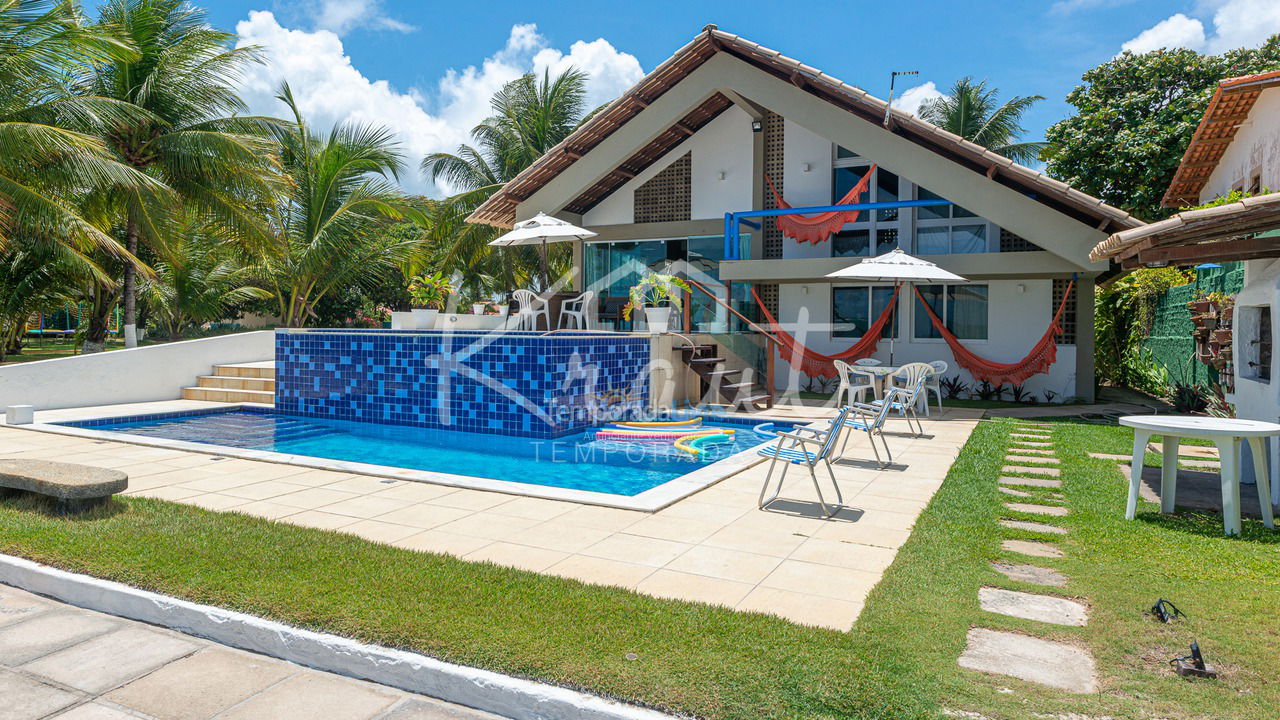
198,277
973,112
50,147
329,227
530,116
187,137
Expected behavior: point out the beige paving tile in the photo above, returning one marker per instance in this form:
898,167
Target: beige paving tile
729,498
310,498
264,490
320,520
364,484
315,695
378,531
517,556
637,550
265,509
23,698
18,605
802,608
824,580
96,711
472,499
166,492
601,571
867,558
365,506
424,515
315,478
489,526
442,542
534,508
864,533
725,564
48,632
694,588
691,509
112,659
202,685
677,529
602,518
751,540
415,491
207,482
216,501
559,535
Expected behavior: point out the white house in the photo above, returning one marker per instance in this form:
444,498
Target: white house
712,128
1235,148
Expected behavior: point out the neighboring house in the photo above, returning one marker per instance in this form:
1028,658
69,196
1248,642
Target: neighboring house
1236,147
655,173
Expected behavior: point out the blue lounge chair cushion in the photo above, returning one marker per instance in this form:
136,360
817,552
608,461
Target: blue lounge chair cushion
793,455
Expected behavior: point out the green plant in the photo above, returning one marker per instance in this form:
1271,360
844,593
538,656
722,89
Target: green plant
430,291
656,290
987,392
973,111
1049,396
1019,394
953,387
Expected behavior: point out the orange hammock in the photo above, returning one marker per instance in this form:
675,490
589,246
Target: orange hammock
819,227
1037,361
815,364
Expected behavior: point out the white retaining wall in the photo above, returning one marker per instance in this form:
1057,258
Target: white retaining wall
145,374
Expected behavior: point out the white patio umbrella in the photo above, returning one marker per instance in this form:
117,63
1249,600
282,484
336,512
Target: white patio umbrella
540,230
896,266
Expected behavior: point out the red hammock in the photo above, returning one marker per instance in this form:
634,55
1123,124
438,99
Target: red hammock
819,227
1037,361
815,364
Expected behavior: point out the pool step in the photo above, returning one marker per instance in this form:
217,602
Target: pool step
713,372
253,382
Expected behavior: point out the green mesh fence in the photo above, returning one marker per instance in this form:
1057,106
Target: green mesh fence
1170,342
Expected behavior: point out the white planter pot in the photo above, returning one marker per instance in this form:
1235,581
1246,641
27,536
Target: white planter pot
479,308
657,318
403,321
503,309
424,319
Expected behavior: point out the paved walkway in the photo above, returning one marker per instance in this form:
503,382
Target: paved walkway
714,547
60,661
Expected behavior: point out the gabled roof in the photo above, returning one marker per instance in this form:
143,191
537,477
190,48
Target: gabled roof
1222,232
500,209
1230,106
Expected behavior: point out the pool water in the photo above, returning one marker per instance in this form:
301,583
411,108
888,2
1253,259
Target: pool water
579,462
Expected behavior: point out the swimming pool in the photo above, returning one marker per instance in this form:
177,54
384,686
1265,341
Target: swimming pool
575,462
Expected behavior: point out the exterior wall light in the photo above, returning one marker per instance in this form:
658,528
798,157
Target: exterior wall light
757,126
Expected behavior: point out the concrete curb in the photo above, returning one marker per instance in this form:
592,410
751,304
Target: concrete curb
481,689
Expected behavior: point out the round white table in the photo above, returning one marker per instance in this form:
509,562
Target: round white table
1227,434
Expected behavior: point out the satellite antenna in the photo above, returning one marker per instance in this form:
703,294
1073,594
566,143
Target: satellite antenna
893,77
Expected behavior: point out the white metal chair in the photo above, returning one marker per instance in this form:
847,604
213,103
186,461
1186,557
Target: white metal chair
933,384
870,419
909,393
531,307
848,389
578,310
794,448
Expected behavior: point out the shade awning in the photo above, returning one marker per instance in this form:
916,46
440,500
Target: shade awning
897,266
1235,231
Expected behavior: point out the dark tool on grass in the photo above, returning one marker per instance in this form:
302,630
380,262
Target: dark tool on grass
1194,664
1166,611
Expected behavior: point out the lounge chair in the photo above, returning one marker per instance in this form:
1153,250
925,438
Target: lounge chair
808,447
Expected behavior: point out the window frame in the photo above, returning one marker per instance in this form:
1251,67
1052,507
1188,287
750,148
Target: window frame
869,220
946,312
894,327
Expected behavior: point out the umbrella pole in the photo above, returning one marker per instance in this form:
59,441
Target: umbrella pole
546,273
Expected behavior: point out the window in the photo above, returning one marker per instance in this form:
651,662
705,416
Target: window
1253,330
853,309
948,229
962,308
873,233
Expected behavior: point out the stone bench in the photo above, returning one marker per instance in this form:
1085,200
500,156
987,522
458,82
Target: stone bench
76,487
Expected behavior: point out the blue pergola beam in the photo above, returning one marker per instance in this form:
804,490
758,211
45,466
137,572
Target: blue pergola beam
732,233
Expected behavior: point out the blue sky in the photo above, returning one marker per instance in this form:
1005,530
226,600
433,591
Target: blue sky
426,69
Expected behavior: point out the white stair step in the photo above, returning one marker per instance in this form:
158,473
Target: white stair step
264,369
228,396
236,383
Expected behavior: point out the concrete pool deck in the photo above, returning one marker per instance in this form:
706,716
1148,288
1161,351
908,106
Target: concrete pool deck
714,546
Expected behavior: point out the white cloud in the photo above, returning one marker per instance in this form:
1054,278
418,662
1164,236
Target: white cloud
343,16
329,89
911,100
1177,31
1236,24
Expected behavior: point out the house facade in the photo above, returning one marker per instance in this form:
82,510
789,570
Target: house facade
725,124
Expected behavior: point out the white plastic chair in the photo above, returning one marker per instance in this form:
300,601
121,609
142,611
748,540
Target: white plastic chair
578,310
848,389
531,307
796,449
909,393
933,384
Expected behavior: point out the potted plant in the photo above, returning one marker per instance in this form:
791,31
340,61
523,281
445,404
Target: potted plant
658,295
428,294
479,308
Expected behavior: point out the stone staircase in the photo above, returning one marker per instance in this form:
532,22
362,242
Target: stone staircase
253,382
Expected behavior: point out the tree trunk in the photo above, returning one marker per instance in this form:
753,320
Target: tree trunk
130,329
95,337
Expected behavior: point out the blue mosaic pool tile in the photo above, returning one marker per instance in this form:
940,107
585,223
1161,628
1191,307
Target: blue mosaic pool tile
524,384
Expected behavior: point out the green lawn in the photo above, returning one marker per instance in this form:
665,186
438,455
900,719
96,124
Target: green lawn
898,662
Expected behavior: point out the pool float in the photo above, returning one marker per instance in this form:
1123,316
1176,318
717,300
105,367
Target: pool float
638,435
692,422
763,432
693,445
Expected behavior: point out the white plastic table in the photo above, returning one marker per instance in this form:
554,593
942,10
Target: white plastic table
1227,434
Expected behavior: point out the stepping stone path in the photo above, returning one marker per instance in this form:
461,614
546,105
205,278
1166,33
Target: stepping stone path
1030,574
1029,658
1055,510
